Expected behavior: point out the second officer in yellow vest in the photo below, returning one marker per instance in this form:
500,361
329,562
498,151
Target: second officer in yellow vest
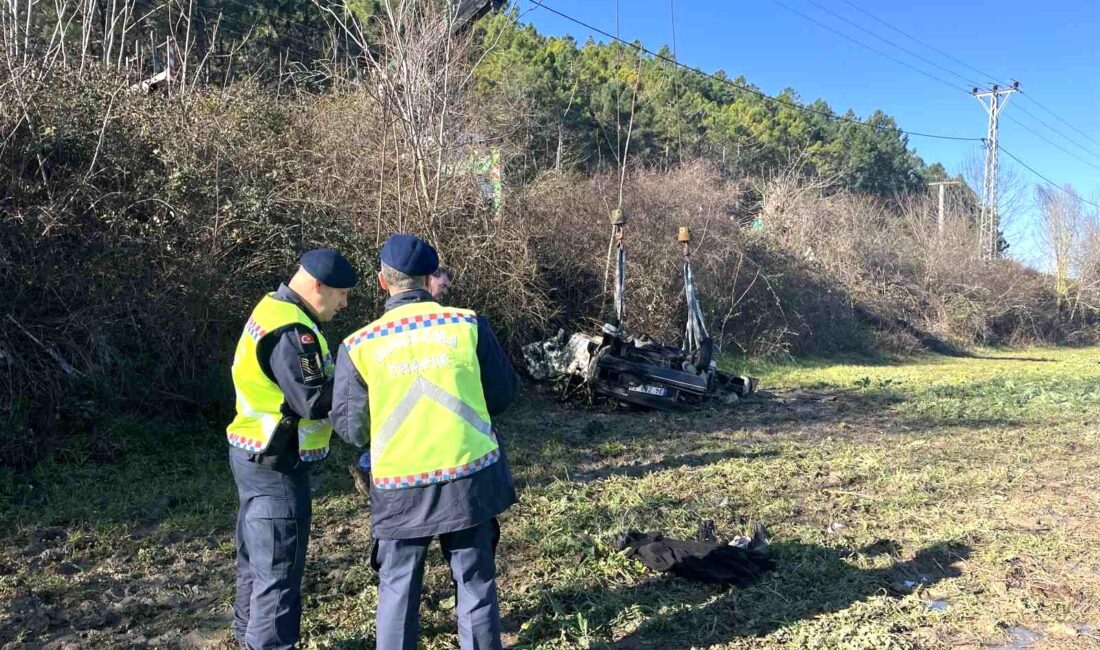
420,386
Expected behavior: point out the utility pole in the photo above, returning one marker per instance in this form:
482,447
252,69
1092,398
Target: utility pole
941,185
993,101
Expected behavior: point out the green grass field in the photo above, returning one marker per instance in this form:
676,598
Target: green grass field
933,503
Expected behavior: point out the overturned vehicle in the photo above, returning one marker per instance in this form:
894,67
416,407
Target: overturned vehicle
637,370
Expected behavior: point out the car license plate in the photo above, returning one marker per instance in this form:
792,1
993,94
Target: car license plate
659,391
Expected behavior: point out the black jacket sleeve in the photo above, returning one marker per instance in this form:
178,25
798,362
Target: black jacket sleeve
298,367
498,380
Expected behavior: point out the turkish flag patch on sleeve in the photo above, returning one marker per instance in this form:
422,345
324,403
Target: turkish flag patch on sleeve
307,339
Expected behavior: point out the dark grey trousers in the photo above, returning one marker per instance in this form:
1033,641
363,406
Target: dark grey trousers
400,565
272,537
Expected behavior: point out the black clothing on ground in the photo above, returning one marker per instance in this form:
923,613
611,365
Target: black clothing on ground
710,562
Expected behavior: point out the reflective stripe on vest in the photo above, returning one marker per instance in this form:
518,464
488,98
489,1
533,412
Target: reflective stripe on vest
259,399
429,422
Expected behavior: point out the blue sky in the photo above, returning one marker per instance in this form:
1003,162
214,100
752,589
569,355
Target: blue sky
1050,47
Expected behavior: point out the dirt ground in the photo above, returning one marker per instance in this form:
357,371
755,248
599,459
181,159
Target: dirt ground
940,502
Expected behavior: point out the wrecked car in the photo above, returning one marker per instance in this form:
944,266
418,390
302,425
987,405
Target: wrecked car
637,370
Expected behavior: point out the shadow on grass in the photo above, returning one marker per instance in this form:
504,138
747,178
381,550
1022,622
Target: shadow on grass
1027,359
810,581
588,444
639,469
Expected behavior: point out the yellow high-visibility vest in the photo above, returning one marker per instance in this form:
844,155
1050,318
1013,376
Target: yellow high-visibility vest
259,398
428,418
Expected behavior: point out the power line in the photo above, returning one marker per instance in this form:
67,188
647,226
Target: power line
1060,119
869,47
892,43
987,75
917,40
1053,144
1045,178
748,89
1008,116
1067,138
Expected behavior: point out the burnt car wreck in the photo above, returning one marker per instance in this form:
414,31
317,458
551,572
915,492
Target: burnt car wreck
634,369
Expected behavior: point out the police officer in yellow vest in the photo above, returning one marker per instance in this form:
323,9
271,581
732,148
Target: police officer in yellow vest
429,379
282,373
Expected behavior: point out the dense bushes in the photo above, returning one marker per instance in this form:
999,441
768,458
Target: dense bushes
137,231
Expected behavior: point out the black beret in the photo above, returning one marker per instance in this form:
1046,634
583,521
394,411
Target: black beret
330,268
410,254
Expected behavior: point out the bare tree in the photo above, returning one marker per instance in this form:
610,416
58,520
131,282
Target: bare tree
787,199
1061,226
419,69
1085,262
